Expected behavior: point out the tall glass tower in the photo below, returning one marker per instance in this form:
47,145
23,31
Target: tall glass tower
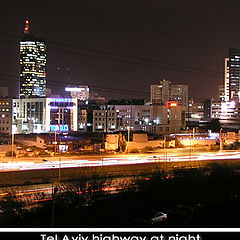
232,75
33,59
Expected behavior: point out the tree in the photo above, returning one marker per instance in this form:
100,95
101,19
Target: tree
122,144
214,125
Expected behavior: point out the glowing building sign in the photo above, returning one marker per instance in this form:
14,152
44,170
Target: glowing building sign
61,100
172,104
59,128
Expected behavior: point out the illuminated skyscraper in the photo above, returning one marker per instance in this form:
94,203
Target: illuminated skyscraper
232,75
32,65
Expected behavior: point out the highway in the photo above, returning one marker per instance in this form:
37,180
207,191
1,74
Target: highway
35,194
112,161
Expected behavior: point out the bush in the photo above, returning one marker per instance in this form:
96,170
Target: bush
214,148
9,154
134,150
147,149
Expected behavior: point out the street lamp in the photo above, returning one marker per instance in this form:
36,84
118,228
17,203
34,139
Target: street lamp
53,194
220,138
12,145
165,147
128,128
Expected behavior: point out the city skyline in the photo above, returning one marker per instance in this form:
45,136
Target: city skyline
113,47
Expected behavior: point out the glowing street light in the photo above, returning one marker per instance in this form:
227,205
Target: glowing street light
220,139
53,194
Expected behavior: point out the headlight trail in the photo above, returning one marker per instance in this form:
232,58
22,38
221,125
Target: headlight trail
112,161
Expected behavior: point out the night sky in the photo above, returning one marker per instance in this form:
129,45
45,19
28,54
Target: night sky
119,48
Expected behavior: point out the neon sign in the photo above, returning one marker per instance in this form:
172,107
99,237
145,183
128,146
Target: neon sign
59,128
172,104
61,99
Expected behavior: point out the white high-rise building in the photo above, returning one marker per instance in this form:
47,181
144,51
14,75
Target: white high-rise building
232,76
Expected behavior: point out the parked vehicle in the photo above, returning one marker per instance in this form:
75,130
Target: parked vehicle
159,217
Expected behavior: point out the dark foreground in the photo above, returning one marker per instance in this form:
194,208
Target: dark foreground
194,197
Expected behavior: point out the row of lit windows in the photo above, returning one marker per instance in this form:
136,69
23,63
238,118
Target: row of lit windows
102,114
3,103
104,119
3,109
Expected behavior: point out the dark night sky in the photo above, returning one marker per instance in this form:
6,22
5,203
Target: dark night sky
126,45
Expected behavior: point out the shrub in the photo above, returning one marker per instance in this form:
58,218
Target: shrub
10,153
147,149
134,150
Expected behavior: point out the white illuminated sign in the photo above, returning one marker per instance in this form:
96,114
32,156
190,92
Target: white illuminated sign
69,89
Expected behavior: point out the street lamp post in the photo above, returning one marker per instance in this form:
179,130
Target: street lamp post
165,148
12,145
193,138
53,195
128,128
220,138
55,142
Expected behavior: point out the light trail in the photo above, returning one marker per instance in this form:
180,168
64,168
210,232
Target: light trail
113,161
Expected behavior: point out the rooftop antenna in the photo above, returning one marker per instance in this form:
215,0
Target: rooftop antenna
26,29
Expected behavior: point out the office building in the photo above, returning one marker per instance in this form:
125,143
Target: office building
157,119
179,93
5,115
41,115
104,119
232,75
221,93
165,91
160,93
195,110
33,59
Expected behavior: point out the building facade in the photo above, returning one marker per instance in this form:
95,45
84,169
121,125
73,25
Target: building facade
158,119
5,115
166,91
41,115
221,93
33,59
160,93
104,119
232,75
179,93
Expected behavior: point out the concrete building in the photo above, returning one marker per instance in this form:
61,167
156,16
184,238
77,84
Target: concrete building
82,120
166,91
232,75
230,115
5,115
221,93
195,111
160,93
179,93
104,119
40,115
216,109
157,119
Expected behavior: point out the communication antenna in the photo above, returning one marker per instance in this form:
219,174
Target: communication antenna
26,29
